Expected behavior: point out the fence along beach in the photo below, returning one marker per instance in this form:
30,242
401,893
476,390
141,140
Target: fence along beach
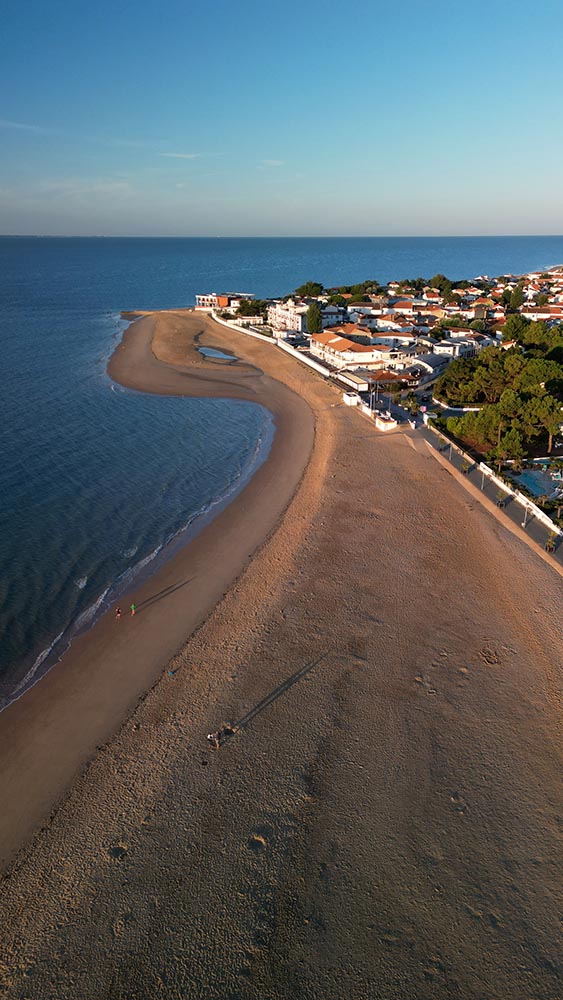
383,820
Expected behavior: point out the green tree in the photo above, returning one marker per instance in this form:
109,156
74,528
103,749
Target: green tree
542,299
509,447
442,283
252,307
536,335
550,418
517,297
411,402
314,318
506,296
515,327
538,376
457,320
310,289
512,445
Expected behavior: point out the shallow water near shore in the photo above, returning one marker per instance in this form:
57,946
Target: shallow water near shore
96,480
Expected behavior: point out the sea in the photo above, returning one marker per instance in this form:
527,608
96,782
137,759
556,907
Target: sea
99,484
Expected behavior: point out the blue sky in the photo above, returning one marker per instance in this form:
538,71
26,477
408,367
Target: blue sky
301,118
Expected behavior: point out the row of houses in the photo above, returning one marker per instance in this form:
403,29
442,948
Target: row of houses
383,359
404,334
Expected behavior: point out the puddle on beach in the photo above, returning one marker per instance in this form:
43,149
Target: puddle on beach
212,352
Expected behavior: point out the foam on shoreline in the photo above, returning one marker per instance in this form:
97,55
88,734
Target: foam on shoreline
53,728
133,575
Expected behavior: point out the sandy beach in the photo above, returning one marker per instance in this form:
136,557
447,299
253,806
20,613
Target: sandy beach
386,820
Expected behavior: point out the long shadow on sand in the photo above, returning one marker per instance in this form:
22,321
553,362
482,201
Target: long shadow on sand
231,730
144,605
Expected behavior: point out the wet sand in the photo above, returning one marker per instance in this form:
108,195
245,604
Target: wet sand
52,731
386,821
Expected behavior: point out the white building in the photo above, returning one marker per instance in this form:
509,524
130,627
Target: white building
221,300
331,315
458,348
287,317
339,352
428,366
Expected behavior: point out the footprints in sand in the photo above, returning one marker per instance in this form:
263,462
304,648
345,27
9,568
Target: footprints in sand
259,839
276,836
489,656
459,803
435,970
442,668
118,851
120,923
267,844
425,683
264,917
489,916
394,937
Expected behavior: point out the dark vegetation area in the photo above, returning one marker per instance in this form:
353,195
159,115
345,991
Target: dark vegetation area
253,307
519,390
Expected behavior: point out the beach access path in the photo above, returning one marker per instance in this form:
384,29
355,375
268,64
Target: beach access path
385,821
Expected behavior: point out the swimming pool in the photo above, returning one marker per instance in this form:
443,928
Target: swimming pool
539,483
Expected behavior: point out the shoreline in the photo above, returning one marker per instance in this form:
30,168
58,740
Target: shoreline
50,731
385,816
48,658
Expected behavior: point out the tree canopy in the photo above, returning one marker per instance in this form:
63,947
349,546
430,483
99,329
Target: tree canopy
252,307
442,283
520,397
314,318
310,289
517,297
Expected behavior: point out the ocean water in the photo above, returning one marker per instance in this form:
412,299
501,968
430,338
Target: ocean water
97,481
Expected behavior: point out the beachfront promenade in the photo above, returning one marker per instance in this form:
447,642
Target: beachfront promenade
540,534
383,822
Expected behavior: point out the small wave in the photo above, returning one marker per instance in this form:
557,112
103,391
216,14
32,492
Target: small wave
125,579
39,660
84,619
87,615
257,454
144,562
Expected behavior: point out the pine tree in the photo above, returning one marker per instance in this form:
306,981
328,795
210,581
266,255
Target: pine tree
314,318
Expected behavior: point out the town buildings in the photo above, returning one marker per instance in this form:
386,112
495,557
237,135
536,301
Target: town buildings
406,335
229,301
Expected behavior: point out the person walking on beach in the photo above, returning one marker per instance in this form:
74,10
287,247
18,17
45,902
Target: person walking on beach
133,609
117,614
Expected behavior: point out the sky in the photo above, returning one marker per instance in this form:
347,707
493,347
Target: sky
243,118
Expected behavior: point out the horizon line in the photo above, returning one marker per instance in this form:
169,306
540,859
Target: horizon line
274,236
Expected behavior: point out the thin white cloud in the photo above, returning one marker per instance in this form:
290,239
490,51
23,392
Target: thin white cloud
78,187
181,156
199,177
272,163
22,126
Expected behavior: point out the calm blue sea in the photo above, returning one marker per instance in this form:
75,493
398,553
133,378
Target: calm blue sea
96,480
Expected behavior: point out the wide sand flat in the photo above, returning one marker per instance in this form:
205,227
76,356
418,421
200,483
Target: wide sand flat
389,824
